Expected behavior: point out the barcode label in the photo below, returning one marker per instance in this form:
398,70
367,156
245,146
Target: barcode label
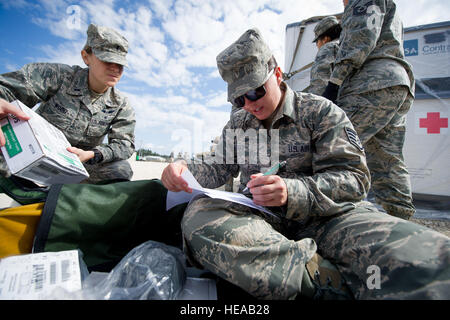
41,171
47,168
53,273
12,283
65,270
35,276
38,276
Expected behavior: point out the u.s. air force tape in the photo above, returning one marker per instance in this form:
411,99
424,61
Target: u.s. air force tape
353,138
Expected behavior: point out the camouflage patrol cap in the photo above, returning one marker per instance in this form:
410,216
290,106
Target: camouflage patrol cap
107,44
243,65
324,25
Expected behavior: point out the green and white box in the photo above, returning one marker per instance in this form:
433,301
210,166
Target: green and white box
36,150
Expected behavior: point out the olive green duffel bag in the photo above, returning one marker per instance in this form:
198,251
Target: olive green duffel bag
104,221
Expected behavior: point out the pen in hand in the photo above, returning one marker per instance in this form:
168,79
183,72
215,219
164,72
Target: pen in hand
272,170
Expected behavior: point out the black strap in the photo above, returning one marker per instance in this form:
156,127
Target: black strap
41,235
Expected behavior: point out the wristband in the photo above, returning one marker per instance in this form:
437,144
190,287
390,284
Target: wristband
331,92
98,157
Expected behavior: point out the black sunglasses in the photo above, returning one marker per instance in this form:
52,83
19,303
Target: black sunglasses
254,94
251,95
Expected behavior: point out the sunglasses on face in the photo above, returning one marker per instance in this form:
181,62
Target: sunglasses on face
252,95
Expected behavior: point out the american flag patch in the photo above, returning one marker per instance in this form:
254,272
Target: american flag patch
353,138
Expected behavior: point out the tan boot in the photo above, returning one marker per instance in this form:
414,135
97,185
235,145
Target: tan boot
324,281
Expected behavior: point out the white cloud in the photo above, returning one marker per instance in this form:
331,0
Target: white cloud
423,11
14,4
102,12
58,17
68,53
161,8
168,38
11,67
174,119
218,100
174,43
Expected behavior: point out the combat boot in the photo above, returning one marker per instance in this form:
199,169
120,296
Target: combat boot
323,281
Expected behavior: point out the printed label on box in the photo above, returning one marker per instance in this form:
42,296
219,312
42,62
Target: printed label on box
13,146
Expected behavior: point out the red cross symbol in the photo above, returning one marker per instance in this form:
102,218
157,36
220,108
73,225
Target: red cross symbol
433,122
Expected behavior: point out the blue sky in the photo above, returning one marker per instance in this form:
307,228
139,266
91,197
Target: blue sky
172,80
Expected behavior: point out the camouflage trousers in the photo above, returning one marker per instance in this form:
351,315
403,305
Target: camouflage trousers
379,117
262,257
116,170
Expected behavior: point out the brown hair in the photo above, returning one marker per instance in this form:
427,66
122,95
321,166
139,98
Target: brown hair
334,33
87,49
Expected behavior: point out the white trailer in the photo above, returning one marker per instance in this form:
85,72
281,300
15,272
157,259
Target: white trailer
427,145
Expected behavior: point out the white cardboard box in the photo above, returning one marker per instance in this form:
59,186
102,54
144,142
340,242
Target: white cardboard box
36,150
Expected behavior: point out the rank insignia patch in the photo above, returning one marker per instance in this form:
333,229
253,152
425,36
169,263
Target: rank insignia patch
353,138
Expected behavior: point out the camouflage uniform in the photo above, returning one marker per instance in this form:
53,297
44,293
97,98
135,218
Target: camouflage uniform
326,177
322,67
67,103
324,61
376,91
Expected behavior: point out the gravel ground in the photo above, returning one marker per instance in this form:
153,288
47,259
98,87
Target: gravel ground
442,226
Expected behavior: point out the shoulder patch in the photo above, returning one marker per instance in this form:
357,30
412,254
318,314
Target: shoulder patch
353,138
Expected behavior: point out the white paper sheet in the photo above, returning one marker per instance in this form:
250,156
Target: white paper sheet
175,198
35,276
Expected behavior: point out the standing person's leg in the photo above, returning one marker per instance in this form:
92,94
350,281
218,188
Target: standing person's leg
379,117
390,178
384,257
